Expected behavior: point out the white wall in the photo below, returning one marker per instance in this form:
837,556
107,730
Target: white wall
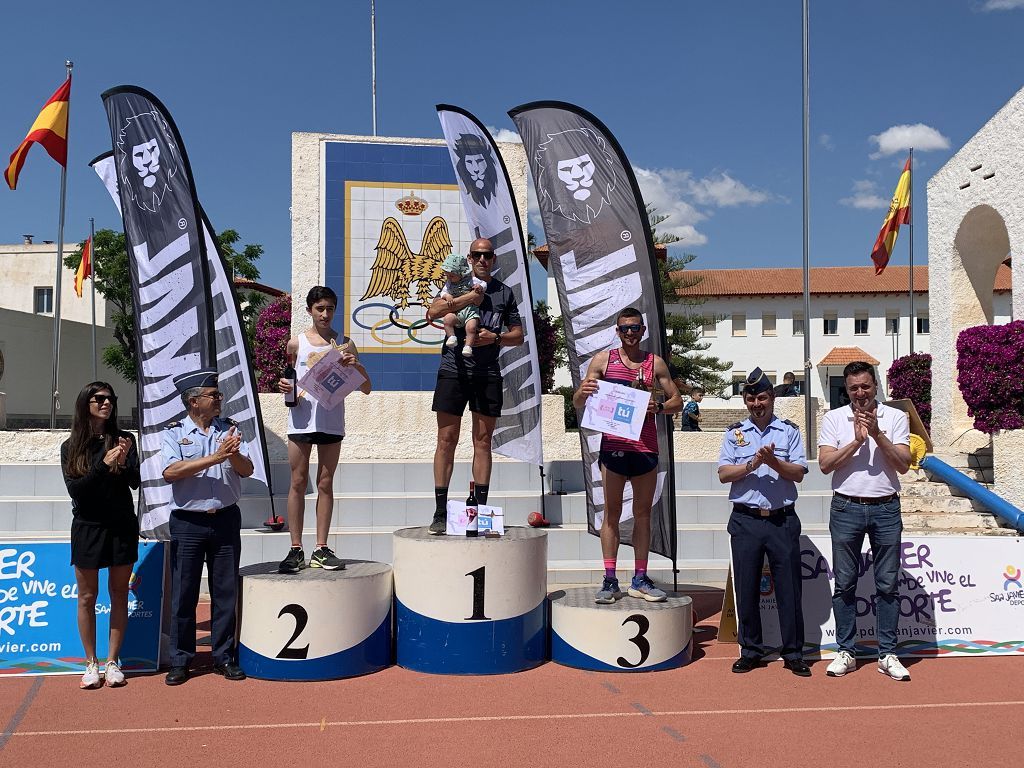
25,267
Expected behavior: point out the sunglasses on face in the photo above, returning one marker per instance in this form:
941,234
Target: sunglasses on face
101,399
631,328
213,395
481,255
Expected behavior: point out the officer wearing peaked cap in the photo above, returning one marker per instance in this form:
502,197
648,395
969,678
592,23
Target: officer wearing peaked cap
204,459
763,459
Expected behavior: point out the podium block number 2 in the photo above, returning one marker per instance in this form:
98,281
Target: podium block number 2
301,619
639,640
478,594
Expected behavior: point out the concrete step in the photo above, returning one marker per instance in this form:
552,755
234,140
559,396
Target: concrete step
940,504
978,522
980,459
934,489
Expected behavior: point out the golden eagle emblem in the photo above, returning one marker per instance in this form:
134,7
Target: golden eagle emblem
396,267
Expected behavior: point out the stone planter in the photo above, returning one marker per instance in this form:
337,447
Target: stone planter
1007,455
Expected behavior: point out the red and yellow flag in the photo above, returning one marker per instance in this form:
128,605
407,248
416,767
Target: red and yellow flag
50,129
899,213
84,267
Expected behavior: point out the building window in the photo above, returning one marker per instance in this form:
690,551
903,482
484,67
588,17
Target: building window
860,323
768,325
709,328
892,324
739,325
830,324
799,376
922,324
44,301
738,377
772,377
798,323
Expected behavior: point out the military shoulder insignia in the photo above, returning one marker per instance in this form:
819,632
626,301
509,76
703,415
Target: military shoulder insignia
172,425
229,422
731,427
790,423
184,441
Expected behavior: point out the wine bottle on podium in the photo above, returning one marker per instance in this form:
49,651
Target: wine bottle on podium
473,525
291,398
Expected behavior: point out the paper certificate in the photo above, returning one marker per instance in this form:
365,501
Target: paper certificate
616,410
328,381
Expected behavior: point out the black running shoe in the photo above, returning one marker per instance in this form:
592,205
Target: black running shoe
323,557
439,524
294,562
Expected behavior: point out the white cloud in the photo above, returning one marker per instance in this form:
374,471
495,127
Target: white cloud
900,138
666,190
865,196
825,140
1002,5
724,191
504,134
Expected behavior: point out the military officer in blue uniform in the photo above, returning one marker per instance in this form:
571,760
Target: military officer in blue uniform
204,459
763,458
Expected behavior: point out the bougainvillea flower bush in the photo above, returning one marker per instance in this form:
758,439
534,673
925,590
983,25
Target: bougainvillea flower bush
273,327
910,377
990,372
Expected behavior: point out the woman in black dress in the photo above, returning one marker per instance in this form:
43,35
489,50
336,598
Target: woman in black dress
101,464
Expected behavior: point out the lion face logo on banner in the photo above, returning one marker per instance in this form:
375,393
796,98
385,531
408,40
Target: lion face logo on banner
477,168
146,154
397,267
583,181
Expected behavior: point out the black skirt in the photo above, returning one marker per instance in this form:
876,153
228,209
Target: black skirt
101,545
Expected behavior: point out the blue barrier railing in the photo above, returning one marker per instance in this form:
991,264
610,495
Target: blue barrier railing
994,504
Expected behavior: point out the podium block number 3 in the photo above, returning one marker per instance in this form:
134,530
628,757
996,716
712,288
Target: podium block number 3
478,577
639,640
301,619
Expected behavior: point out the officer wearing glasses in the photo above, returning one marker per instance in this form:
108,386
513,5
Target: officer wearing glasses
204,459
474,381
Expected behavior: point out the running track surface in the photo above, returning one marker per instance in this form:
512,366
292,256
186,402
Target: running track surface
955,712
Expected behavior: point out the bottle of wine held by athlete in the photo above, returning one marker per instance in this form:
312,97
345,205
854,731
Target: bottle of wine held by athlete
473,525
291,398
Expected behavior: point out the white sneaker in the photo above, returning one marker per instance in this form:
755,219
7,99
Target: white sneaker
112,675
451,342
890,665
91,678
467,351
841,664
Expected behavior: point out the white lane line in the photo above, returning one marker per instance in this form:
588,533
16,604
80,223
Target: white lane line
512,718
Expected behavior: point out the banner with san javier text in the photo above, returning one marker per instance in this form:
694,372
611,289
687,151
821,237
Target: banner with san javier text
491,212
602,258
959,596
174,315
234,358
39,610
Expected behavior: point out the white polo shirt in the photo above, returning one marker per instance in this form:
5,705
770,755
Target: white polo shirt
867,473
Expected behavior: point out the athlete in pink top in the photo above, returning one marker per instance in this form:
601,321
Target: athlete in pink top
635,461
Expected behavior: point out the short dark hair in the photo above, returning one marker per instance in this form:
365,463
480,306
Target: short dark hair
696,388
319,292
857,367
630,312
788,375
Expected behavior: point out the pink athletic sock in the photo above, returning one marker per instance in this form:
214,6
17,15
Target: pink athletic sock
641,567
609,567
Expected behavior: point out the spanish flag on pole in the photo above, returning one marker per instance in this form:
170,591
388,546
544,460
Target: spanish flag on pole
899,213
84,267
50,129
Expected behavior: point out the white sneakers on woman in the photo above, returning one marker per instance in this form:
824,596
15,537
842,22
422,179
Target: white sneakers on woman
112,675
91,678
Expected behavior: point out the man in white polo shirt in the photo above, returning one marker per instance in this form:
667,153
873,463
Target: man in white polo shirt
865,446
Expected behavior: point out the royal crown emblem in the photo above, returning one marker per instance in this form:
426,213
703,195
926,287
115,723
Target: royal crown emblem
411,205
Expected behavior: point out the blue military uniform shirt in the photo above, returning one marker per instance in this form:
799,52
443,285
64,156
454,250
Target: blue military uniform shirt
762,488
213,488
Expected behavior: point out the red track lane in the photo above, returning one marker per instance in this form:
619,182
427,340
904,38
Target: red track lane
955,712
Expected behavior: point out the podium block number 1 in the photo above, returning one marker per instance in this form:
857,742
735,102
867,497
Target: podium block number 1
478,577
301,619
639,640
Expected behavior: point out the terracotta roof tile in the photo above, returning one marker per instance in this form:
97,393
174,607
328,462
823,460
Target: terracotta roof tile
845,355
714,283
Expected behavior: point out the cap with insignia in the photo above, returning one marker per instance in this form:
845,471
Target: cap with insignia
206,377
756,383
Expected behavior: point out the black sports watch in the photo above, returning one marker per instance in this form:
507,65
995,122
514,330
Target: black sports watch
497,338
659,406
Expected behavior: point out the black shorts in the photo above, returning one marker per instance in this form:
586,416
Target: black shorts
628,463
100,545
483,394
316,438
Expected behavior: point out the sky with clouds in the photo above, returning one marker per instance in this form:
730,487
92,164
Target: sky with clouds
705,99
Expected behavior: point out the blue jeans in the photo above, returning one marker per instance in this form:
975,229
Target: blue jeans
883,524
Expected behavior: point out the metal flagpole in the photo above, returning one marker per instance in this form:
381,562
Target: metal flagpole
910,223
54,392
811,449
373,61
92,279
